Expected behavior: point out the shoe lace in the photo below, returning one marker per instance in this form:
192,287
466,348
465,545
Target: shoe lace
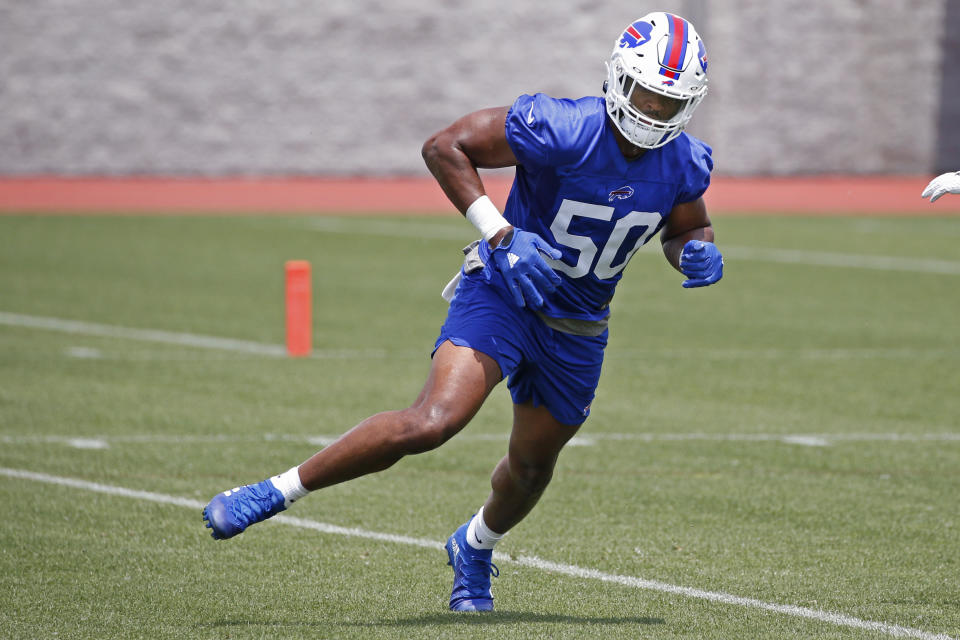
477,572
254,504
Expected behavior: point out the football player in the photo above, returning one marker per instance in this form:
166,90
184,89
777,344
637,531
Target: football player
596,178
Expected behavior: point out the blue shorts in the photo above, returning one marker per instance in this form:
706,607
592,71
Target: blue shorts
548,367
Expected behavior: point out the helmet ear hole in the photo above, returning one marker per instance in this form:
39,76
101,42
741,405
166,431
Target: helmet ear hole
606,83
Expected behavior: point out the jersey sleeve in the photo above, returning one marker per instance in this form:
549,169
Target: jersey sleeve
696,178
544,131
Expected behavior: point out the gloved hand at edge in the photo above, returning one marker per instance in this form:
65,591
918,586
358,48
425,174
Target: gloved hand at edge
941,185
701,262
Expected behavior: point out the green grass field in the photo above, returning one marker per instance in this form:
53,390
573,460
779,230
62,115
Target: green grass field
789,437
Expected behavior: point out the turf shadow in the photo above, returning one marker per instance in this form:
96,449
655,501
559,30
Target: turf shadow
506,617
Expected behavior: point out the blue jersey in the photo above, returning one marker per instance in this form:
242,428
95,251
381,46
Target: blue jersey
575,189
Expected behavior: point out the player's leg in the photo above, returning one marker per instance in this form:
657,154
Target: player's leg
559,373
564,381
459,381
521,477
518,482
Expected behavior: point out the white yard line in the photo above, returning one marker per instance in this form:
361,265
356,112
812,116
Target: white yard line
399,229
77,327
146,335
837,619
247,347
843,260
392,229
800,353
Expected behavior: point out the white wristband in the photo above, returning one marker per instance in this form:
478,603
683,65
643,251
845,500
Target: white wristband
485,216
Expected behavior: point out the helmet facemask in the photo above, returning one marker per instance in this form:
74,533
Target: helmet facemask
640,129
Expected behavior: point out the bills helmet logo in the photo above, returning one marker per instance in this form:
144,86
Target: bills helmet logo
621,194
636,34
673,50
702,56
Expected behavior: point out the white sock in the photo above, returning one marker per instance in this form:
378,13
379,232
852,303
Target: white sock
288,483
479,535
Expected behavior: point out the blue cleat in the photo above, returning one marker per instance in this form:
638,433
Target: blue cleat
230,512
472,569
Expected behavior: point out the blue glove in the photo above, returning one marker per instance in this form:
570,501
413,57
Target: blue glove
527,274
701,262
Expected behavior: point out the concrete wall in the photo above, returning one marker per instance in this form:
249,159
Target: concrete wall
948,126
825,86
127,87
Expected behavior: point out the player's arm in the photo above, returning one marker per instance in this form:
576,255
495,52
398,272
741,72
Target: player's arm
453,155
687,239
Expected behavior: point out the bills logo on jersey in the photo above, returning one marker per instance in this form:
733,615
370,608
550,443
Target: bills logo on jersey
636,34
621,194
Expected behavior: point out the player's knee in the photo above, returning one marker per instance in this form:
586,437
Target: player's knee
531,478
426,428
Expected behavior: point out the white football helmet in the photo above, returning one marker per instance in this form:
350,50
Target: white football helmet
663,53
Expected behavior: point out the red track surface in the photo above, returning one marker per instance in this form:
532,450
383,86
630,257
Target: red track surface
806,195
